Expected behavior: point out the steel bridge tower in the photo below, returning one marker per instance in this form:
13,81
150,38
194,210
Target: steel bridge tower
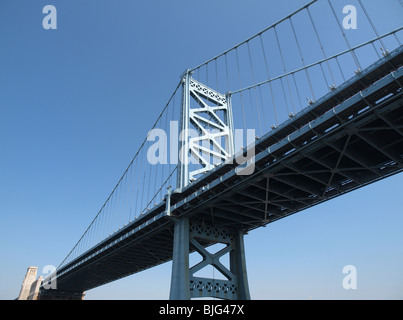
206,139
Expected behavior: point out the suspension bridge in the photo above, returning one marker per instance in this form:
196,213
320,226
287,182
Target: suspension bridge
280,122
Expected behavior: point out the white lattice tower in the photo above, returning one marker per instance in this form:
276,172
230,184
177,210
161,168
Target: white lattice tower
206,130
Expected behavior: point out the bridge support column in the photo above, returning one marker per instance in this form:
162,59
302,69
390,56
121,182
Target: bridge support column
192,236
180,261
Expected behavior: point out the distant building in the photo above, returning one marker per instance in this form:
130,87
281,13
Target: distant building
30,285
34,292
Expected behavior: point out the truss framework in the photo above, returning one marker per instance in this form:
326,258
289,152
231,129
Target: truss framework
210,141
195,236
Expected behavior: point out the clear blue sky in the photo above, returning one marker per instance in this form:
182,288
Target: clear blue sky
75,104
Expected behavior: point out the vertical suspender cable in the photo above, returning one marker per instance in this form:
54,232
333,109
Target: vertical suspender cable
148,189
137,200
155,190
127,198
226,72
340,69
120,205
117,212
104,222
268,77
376,51
253,79
357,63
165,154
142,185
216,75
241,96
320,44
96,229
285,71
302,58
397,39
171,149
207,74
296,88
101,226
372,25
132,189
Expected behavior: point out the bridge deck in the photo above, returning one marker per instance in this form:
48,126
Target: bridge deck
351,137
